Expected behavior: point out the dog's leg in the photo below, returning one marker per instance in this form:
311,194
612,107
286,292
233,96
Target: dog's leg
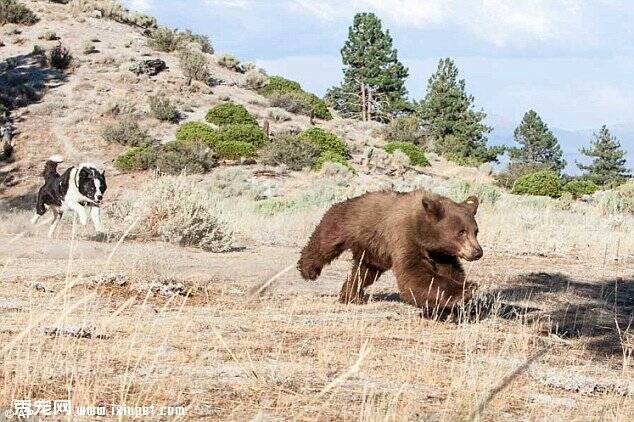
81,212
95,216
57,216
35,219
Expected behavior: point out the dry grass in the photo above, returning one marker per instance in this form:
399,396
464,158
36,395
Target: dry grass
163,333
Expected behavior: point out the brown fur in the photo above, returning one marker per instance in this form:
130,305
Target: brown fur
418,235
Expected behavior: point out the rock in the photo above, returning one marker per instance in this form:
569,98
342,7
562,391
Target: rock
149,67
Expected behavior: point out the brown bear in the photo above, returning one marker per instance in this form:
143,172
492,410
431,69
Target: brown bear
419,235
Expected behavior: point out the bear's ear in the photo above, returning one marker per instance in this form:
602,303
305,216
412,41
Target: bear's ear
472,203
433,208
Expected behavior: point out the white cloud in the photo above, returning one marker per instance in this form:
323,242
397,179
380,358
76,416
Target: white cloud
498,22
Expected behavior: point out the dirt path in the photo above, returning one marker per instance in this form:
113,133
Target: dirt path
33,257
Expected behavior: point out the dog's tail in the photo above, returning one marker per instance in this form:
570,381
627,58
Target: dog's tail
50,167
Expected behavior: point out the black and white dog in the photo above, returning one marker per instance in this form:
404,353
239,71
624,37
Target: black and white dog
77,189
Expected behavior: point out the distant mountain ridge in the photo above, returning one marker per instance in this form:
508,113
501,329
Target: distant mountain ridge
570,141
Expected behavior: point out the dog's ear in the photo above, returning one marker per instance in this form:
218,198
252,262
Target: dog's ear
103,173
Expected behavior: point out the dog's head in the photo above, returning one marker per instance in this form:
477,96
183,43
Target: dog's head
91,183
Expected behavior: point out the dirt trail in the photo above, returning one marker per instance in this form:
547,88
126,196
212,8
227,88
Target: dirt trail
33,257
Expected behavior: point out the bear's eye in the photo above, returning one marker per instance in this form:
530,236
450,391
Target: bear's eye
462,233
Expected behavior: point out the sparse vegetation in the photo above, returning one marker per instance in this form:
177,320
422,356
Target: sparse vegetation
165,39
88,47
542,183
279,114
293,102
47,35
416,154
125,131
163,109
203,41
194,65
256,80
60,57
325,141
12,11
114,10
229,61
177,157
197,132
405,129
290,151
136,158
244,132
176,210
230,113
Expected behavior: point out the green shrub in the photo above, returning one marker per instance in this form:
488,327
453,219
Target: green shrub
13,12
404,129
165,39
136,158
325,141
126,132
194,65
163,109
415,154
333,157
60,57
579,188
280,85
303,103
289,150
190,157
197,132
243,133
230,113
3,109
507,178
290,96
541,183
234,150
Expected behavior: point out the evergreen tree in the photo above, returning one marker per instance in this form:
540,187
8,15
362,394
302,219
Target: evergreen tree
457,131
373,85
608,166
539,147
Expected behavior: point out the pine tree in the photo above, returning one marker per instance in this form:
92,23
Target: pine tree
373,85
608,166
539,147
456,129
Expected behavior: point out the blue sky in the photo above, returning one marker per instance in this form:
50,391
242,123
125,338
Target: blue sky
571,61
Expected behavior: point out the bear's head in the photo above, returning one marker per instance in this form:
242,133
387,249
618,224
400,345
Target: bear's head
451,228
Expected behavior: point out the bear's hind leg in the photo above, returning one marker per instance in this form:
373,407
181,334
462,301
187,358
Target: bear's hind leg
361,276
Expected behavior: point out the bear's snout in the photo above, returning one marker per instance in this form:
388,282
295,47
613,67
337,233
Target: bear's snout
475,254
